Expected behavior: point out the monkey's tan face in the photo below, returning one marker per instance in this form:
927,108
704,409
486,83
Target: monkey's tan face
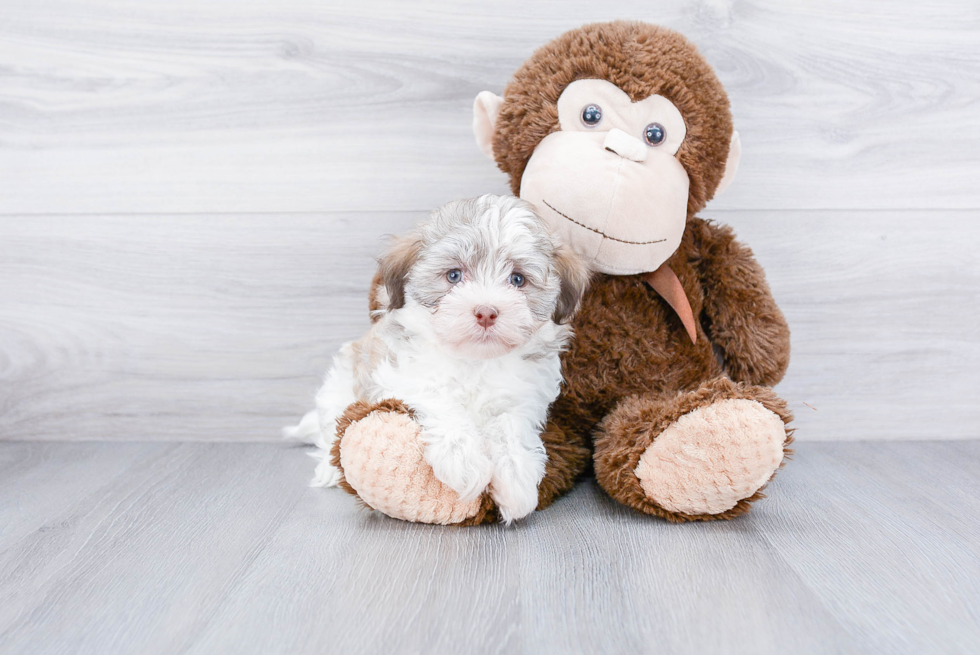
609,182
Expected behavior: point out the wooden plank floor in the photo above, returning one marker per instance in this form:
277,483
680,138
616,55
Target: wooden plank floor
210,548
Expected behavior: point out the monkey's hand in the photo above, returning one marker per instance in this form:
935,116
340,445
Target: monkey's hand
744,320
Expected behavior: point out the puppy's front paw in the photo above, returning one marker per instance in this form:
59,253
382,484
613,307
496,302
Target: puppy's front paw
462,467
515,485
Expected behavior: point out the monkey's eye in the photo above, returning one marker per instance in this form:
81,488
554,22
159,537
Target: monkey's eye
454,276
592,115
517,280
654,134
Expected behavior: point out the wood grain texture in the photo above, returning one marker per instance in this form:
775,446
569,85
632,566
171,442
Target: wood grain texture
220,327
176,327
207,548
883,309
244,106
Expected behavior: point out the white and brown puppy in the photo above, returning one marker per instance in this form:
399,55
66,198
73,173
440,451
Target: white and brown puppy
478,297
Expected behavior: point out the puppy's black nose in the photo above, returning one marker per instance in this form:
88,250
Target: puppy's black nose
485,315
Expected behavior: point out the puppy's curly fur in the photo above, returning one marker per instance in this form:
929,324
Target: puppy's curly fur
476,305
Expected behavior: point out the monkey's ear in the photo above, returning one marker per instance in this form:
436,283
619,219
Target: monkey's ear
485,110
574,276
395,265
731,165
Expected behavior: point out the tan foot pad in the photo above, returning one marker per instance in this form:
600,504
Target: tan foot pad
713,457
391,475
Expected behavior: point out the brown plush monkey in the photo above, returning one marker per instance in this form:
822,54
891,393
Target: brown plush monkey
620,133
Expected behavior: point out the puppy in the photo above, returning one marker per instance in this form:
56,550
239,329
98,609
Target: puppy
478,298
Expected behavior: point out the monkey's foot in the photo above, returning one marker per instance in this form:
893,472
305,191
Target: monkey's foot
700,455
709,459
380,456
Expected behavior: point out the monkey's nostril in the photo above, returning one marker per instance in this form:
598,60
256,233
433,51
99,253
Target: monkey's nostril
624,145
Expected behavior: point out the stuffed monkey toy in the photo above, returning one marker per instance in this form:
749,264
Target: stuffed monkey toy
619,134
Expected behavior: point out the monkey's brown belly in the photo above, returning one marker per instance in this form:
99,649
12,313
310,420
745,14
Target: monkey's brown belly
627,341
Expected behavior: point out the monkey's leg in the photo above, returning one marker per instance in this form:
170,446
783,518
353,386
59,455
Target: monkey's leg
568,457
695,456
379,453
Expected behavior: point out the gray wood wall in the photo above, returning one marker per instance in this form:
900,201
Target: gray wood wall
191,194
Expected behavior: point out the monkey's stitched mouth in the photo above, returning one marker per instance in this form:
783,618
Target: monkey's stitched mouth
602,234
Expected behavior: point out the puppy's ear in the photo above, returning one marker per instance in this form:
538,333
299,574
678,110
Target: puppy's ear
574,276
395,265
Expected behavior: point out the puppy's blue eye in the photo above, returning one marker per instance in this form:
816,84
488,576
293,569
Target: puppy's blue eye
454,276
517,280
654,134
592,115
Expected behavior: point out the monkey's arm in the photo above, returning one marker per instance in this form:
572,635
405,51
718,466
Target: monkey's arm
743,319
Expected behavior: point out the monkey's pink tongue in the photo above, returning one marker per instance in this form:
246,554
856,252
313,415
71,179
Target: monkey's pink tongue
664,281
